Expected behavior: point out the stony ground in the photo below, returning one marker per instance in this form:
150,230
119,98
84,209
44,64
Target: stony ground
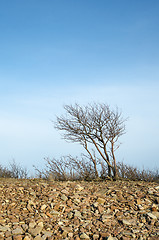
40,210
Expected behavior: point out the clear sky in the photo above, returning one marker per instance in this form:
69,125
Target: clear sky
57,52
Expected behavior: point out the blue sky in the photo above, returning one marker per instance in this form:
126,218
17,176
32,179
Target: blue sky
59,52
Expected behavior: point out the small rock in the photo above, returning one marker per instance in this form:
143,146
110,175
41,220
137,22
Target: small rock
8,234
53,212
40,224
105,217
8,238
46,235
76,201
66,229
110,238
138,201
60,223
43,207
17,237
157,200
4,228
95,204
25,227
35,231
70,235
100,200
151,216
17,231
77,214
76,238
64,191
79,188
70,215
156,214
84,236
64,198
129,222
95,236
27,238
31,203
32,224
38,238
104,235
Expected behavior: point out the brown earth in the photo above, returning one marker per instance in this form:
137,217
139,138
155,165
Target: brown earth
41,210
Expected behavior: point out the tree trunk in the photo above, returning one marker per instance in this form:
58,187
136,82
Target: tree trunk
93,160
115,172
109,171
95,168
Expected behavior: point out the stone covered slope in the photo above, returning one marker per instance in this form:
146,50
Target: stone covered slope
36,209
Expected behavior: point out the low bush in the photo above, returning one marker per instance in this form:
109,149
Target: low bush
4,172
67,168
14,170
130,172
74,168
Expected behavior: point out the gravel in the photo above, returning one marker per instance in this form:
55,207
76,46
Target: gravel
46,210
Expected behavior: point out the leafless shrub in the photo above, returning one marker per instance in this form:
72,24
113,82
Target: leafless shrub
4,172
14,170
103,170
56,169
126,171
68,168
82,168
17,171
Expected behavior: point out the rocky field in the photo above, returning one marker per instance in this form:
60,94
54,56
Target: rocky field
41,210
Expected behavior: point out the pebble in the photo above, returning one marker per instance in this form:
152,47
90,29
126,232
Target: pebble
35,231
84,236
17,231
151,216
43,207
64,198
26,238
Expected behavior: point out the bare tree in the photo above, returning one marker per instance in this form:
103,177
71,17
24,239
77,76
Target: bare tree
94,125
